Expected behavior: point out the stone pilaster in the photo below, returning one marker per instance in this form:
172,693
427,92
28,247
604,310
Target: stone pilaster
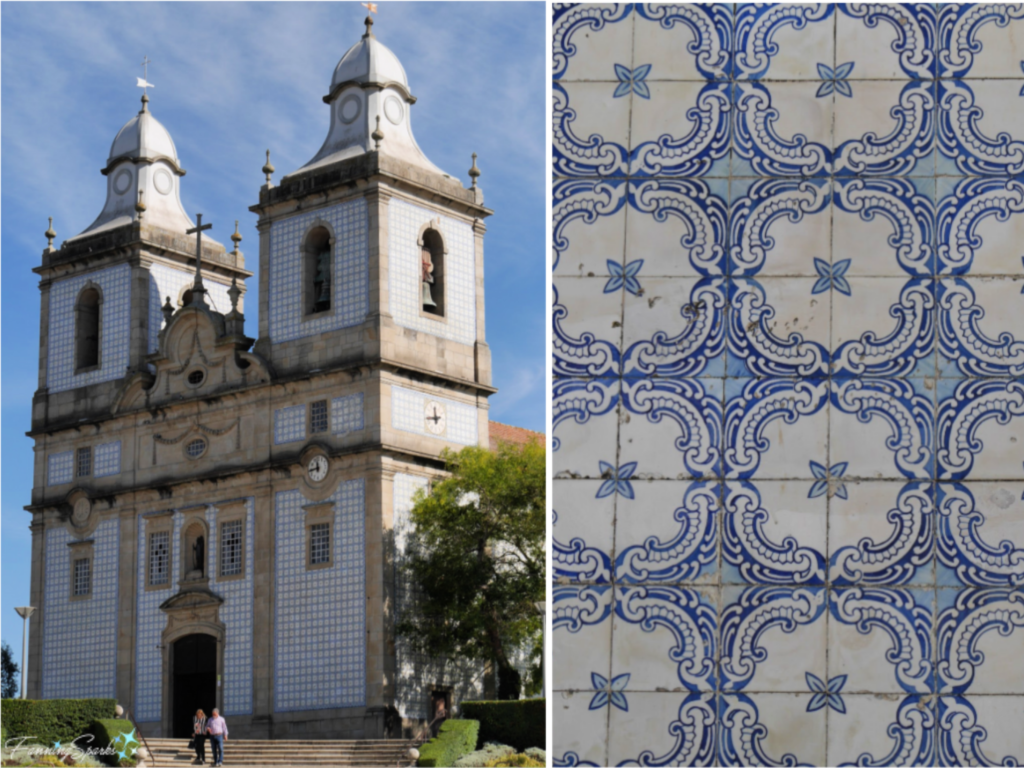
126,604
377,209
139,334
481,352
263,613
263,227
377,490
34,682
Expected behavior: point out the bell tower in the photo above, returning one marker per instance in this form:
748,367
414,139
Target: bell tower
370,248
372,282
103,289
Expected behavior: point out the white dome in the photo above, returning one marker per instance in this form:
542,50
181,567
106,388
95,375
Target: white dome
368,61
143,137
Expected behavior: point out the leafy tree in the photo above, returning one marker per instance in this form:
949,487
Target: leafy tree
8,673
475,561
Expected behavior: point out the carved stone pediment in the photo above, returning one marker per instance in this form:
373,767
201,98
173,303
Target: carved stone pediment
192,601
200,355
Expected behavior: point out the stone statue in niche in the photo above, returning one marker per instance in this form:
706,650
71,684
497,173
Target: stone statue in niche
322,282
198,559
428,278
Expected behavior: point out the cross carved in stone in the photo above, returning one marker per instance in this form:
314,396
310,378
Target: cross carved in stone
198,291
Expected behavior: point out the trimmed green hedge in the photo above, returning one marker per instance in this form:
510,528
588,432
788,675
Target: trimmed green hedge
455,739
107,732
51,720
519,723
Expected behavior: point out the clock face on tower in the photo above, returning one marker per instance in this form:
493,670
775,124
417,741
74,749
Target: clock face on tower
435,417
317,468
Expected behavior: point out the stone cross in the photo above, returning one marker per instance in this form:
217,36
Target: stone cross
197,287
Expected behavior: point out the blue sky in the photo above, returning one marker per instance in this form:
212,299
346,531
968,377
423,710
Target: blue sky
233,79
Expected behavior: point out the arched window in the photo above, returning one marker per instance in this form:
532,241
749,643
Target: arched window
318,277
87,329
432,275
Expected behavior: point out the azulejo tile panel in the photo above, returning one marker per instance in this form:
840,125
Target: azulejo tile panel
319,615
115,286
789,382
80,635
347,223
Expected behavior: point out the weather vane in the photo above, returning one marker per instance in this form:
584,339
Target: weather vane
371,7
143,81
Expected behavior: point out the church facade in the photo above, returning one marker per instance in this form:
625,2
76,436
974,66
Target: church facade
218,520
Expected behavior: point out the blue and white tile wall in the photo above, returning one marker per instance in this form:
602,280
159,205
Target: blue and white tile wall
289,424
347,414
236,613
404,285
150,623
60,468
320,619
788,390
408,413
350,280
167,282
106,459
115,283
80,636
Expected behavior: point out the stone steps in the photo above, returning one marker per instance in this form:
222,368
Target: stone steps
174,753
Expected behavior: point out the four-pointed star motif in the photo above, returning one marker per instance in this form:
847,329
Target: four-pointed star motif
609,692
624,277
617,480
632,80
835,80
828,480
831,276
826,694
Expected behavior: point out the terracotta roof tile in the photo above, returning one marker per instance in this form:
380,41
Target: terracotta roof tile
508,434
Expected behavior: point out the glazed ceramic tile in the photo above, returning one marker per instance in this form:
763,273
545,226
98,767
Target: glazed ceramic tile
979,730
789,379
584,531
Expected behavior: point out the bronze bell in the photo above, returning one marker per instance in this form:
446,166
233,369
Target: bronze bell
428,300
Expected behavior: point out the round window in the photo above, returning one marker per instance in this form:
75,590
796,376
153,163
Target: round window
196,378
195,448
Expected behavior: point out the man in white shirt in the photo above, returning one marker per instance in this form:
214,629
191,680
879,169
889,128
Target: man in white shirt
218,730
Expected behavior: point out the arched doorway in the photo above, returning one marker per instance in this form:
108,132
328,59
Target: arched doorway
194,665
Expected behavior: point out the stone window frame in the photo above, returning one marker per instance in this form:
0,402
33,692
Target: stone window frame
80,452
79,551
89,285
327,414
308,264
440,275
230,513
162,524
317,514
191,439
